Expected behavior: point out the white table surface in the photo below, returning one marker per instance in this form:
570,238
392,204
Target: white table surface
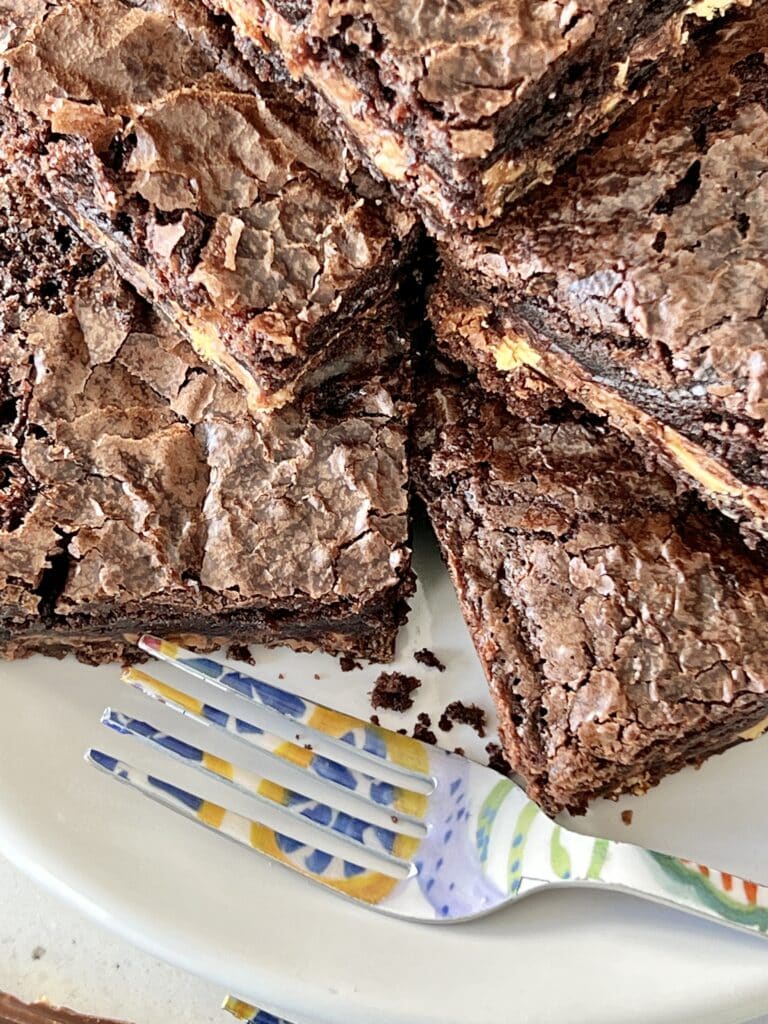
49,950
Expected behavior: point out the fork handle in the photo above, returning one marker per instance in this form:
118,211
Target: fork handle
683,884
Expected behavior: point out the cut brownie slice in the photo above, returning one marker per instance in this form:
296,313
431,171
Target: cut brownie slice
136,493
216,196
465,105
639,280
623,627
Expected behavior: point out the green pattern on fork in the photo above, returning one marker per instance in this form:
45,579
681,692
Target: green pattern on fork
487,816
523,825
598,858
441,840
559,857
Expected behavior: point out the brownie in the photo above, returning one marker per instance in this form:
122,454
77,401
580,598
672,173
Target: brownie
136,493
622,625
463,106
639,280
218,197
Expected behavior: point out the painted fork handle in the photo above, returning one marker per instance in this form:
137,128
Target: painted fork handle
684,885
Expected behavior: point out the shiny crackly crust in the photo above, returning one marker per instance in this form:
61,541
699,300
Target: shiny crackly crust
219,198
640,279
465,106
623,627
136,492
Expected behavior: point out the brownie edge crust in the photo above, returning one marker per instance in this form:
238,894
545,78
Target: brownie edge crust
137,493
623,627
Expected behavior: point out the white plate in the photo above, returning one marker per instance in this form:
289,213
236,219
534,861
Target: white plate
268,935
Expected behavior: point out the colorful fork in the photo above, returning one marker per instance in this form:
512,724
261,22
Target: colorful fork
397,824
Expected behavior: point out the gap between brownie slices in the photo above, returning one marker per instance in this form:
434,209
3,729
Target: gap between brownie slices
468,172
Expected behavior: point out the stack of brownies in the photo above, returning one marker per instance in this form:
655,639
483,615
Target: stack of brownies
271,268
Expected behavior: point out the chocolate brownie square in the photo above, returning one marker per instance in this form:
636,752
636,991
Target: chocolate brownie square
622,625
137,493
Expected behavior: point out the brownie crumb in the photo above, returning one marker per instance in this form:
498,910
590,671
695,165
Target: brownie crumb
375,720
459,751
463,714
496,759
424,733
626,817
348,663
241,652
392,690
428,658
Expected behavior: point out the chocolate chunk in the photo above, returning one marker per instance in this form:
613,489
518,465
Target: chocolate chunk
240,652
421,731
347,663
463,714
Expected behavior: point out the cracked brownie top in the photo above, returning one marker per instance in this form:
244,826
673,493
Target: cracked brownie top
132,477
465,105
617,620
219,197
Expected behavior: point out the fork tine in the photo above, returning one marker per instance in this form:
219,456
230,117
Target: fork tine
386,841
401,753
409,805
345,876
